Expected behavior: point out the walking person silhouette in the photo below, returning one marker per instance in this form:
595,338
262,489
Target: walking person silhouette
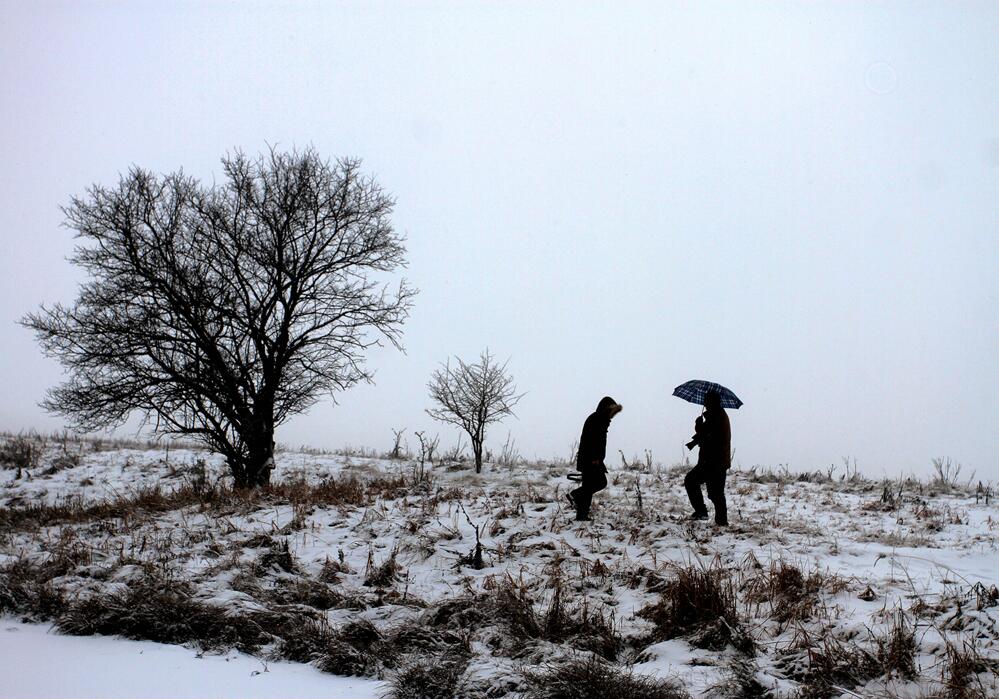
590,457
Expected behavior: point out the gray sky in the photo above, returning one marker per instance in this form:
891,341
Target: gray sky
799,201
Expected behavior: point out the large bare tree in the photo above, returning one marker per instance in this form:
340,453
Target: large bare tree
473,396
218,311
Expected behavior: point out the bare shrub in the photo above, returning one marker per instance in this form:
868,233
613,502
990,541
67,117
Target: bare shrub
595,679
428,450
397,449
509,455
945,474
19,452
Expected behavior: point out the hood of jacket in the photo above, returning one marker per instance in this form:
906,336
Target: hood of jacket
609,405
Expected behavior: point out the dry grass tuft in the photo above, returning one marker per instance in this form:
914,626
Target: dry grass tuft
740,682
429,677
827,666
698,601
307,592
595,679
162,610
790,594
26,589
382,575
277,556
961,673
558,622
897,648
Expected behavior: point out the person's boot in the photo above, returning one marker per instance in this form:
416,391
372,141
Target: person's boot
699,516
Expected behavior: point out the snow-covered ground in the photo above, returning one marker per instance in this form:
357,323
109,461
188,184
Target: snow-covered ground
41,664
818,567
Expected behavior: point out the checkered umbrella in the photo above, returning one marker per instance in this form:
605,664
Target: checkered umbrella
694,392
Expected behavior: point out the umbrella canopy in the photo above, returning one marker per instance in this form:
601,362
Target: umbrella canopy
694,392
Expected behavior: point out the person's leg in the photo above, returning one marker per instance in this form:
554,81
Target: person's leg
571,497
593,480
597,483
582,496
716,493
574,493
692,482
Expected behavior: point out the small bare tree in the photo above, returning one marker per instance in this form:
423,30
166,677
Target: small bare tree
428,445
397,444
473,396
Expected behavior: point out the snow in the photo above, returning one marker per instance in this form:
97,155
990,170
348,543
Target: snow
50,666
931,546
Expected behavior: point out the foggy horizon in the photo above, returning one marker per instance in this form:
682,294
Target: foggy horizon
796,201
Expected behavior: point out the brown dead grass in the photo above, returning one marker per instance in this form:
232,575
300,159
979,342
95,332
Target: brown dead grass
790,594
347,491
700,602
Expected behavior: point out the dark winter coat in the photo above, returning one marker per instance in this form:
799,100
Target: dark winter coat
593,440
713,434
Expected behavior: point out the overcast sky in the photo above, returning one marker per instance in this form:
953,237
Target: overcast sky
799,201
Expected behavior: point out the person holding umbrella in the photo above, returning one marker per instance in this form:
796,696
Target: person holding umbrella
713,437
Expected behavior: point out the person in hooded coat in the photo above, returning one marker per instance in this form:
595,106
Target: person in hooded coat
590,457
713,436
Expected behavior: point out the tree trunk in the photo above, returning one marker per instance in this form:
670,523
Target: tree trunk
259,466
477,450
253,469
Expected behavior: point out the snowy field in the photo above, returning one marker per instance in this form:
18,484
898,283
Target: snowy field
112,668
434,581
